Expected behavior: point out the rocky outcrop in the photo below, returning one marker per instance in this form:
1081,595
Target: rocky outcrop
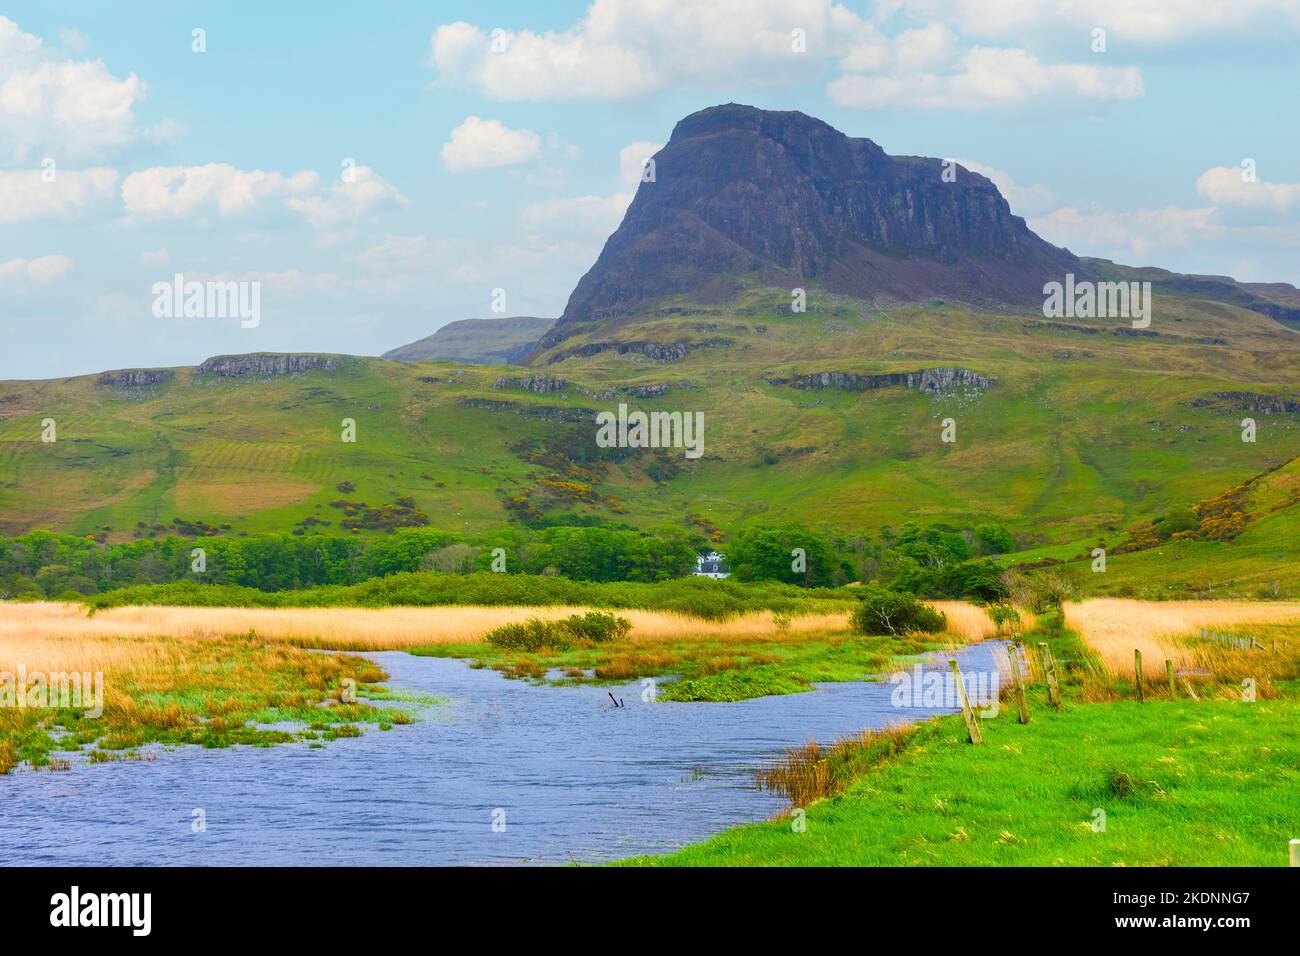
264,364
739,190
1249,402
540,384
659,351
135,379
648,391
932,381
550,413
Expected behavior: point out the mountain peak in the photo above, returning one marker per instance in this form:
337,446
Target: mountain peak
741,191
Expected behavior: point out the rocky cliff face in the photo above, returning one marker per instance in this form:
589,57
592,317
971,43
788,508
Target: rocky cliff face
263,364
932,381
134,379
740,190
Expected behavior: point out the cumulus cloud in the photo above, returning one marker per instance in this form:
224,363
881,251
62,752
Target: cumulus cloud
174,192
626,48
42,270
74,108
348,200
988,77
593,216
1024,200
1226,186
1146,22
28,194
489,144
1139,233
168,192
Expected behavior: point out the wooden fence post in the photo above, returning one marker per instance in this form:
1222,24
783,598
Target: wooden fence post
972,724
1014,653
1295,852
1049,673
1169,672
1137,659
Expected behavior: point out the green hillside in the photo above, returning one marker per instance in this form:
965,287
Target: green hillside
1086,430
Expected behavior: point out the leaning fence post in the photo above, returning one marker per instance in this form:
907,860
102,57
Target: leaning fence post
1191,692
1295,852
1137,661
1049,672
1014,653
1169,672
972,725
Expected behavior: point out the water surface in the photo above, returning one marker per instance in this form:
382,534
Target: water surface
571,777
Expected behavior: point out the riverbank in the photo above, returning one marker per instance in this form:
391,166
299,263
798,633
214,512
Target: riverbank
106,697
1205,774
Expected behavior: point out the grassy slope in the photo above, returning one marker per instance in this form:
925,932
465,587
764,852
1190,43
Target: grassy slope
1228,772
1062,449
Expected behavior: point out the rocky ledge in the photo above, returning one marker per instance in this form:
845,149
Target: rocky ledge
932,381
134,379
262,364
540,384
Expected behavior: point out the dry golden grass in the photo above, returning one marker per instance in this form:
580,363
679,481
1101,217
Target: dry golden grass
353,628
1115,627
972,623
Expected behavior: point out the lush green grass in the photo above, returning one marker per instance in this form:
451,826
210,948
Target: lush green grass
209,693
705,669
1082,434
1209,783
698,597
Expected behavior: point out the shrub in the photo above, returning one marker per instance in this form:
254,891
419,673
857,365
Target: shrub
597,626
535,634
882,611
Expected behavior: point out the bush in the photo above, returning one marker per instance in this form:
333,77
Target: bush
882,611
535,634
597,626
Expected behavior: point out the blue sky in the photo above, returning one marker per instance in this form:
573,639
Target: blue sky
480,168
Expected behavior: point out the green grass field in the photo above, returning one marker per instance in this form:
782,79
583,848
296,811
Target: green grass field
1206,783
1082,435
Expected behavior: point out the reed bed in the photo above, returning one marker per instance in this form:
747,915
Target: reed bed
1115,627
358,629
813,772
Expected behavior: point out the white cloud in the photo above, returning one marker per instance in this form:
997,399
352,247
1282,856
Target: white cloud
593,216
27,194
1224,186
626,48
1024,200
168,192
173,192
987,77
1125,234
42,270
68,107
631,162
1147,21
155,257
489,144
348,200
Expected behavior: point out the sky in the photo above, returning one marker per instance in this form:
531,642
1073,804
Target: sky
382,169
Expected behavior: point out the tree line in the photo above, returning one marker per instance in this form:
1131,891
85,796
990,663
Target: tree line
934,561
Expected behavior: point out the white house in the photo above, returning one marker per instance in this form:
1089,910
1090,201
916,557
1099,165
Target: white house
711,565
